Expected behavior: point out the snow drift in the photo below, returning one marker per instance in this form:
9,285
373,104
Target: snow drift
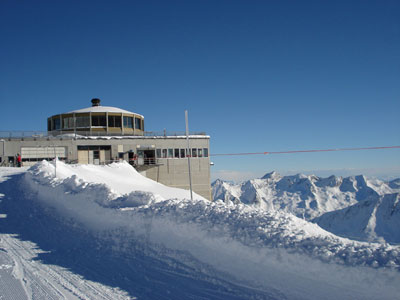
234,249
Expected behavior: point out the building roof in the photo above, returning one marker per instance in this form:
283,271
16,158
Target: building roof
102,109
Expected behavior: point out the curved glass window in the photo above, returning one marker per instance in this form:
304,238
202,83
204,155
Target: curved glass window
99,121
138,124
128,122
114,121
82,121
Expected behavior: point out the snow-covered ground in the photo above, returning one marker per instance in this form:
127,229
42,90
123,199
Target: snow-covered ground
106,232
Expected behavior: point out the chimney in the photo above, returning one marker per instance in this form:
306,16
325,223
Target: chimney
95,102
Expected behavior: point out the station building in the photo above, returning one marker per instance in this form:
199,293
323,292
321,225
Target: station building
104,134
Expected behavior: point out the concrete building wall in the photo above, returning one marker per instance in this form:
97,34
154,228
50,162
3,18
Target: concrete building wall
169,170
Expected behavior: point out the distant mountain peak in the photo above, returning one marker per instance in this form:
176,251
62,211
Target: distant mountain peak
271,175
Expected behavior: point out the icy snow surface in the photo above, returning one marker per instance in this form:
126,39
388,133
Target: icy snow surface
106,232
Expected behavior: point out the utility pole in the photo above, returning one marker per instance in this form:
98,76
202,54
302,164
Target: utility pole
188,154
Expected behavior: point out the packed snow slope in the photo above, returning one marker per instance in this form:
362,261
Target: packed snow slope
106,232
354,207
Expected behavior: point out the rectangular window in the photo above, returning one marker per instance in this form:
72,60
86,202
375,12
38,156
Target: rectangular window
65,123
56,124
99,121
158,153
128,122
176,153
68,122
183,153
170,152
114,121
96,154
49,125
164,153
82,121
200,152
205,152
194,152
138,124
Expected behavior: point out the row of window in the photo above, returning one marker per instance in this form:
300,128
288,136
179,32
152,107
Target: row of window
181,153
84,121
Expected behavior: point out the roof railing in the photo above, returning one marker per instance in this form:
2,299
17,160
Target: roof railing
15,134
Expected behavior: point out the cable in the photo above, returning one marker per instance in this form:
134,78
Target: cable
305,151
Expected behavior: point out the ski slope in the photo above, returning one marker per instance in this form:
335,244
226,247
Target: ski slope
106,232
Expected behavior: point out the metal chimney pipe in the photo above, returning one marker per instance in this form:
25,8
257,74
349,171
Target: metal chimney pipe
95,102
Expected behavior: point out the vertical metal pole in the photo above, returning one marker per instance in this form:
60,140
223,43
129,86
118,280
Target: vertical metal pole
55,161
188,154
3,160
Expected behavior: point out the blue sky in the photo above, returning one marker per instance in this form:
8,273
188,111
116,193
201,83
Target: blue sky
255,75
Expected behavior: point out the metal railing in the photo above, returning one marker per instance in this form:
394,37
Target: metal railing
59,134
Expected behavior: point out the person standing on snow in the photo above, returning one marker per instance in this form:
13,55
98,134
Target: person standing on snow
19,160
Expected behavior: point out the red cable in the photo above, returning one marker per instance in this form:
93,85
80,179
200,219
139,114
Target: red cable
303,151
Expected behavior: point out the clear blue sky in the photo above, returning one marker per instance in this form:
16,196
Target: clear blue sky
255,75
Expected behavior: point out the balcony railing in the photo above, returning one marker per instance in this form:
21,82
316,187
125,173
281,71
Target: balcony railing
60,134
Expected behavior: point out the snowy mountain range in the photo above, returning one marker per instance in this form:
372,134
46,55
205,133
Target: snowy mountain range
355,207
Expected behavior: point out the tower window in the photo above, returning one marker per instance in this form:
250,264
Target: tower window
99,121
128,122
114,121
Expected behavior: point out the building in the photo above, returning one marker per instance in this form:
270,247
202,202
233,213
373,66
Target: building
103,134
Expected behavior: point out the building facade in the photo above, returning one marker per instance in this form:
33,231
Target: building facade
102,134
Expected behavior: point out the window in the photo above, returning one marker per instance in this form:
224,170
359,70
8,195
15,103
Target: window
194,152
164,153
114,121
99,121
68,122
128,122
170,152
205,152
82,121
182,153
57,124
158,153
96,154
176,153
138,124
49,125
200,153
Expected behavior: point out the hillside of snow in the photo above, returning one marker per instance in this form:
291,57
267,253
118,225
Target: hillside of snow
374,219
106,232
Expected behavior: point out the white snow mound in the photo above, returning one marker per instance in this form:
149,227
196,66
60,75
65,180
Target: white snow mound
272,251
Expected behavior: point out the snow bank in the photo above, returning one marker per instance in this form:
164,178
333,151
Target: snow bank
273,251
120,178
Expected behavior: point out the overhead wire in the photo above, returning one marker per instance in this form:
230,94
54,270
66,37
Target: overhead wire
307,151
